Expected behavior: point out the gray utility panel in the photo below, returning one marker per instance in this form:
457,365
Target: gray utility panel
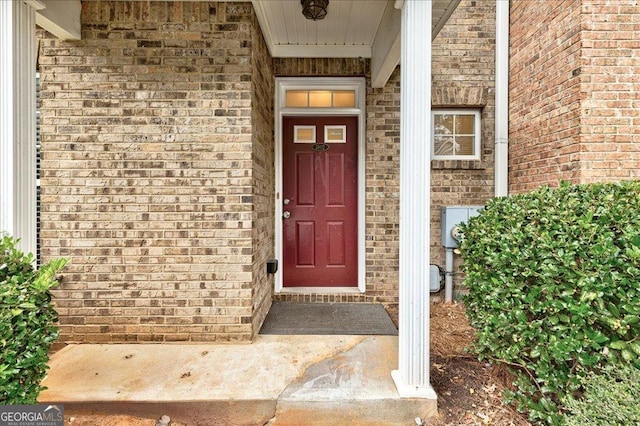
453,216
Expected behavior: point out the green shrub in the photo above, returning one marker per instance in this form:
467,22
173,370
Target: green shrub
27,320
554,284
610,397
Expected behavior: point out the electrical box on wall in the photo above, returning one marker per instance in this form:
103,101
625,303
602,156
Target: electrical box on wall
451,217
435,278
272,266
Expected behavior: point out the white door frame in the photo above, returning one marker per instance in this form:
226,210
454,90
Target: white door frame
320,83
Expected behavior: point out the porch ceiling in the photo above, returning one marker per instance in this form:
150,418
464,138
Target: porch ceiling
348,31
351,29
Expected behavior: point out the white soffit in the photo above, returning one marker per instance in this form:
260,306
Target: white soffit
348,31
61,18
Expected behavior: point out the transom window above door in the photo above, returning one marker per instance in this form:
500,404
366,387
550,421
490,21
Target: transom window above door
455,134
320,99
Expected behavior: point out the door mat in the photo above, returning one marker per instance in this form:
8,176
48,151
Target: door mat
328,318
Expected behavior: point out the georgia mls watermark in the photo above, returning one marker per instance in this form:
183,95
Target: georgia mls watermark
31,415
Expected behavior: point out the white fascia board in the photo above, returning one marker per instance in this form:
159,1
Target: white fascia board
386,46
453,4
35,4
385,53
61,18
261,14
321,51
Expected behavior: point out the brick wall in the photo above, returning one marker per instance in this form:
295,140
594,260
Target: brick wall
544,113
574,92
610,87
383,192
149,183
463,76
263,174
320,67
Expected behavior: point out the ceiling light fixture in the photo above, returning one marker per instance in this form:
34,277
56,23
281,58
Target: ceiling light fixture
314,9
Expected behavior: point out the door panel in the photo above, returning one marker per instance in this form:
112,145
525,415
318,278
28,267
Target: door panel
305,179
320,182
305,234
335,183
336,233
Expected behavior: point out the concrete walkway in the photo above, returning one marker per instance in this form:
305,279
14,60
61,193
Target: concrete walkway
277,380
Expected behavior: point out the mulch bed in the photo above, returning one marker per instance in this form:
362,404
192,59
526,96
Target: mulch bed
469,391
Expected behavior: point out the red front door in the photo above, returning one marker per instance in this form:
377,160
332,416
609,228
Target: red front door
320,201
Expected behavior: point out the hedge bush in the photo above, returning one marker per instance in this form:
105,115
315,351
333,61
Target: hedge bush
27,323
610,397
553,279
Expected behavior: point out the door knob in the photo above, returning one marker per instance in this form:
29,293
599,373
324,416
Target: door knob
286,201
286,215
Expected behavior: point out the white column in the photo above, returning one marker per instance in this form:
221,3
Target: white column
18,121
412,376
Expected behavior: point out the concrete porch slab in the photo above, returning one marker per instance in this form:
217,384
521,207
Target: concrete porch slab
277,380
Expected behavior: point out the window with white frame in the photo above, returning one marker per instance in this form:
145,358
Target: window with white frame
455,134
